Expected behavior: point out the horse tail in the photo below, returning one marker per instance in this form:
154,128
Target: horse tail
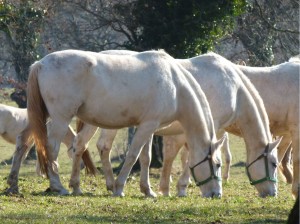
257,99
90,168
37,115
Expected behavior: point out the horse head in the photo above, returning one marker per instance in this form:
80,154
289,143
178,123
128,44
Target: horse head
207,172
262,171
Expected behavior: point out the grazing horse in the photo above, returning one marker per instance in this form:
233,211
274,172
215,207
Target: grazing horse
279,88
148,90
227,88
13,121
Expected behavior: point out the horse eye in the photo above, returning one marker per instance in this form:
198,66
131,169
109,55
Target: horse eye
218,165
274,165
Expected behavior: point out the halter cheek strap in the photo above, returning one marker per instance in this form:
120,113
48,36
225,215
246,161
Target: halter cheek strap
212,176
267,178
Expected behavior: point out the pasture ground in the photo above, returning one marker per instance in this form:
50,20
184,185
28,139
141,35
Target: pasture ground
239,204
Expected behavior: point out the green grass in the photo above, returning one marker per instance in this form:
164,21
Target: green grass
239,204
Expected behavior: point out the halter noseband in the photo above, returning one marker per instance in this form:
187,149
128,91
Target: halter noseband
267,178
212,176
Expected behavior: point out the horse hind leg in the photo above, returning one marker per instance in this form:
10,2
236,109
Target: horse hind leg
171,147
104,146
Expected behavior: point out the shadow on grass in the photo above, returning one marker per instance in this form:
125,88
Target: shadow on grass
239,164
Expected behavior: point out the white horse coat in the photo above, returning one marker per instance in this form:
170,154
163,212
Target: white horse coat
279,88
148,90
13,121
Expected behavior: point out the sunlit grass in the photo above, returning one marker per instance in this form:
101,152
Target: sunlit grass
239,203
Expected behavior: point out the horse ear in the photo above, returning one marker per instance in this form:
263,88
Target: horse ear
218,145
274,145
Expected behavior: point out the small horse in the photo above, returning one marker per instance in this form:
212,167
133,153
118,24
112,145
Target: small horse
148,90
13,121
226,88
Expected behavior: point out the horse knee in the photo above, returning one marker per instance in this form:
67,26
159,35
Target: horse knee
103,147
228,159
79,145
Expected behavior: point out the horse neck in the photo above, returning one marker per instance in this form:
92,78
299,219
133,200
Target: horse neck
254,130
206,114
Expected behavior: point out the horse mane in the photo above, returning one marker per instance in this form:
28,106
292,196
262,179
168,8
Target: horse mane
37,115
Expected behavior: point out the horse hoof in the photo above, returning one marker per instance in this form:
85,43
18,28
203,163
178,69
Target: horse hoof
63,192
110,188
12,191
182,194
181,190
151,194
59,191
121,194
77,192
164,193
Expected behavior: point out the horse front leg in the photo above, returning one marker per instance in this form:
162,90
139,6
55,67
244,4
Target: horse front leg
145,160
79,146
286,165
227,154
184,179
141,137
284,155
22,147
13,177
104,146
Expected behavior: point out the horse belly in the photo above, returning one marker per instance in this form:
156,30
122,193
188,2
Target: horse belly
174,128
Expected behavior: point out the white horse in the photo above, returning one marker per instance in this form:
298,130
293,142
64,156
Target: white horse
13,121
226,88
279,88
148,90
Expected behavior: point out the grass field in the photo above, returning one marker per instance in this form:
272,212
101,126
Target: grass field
239,204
